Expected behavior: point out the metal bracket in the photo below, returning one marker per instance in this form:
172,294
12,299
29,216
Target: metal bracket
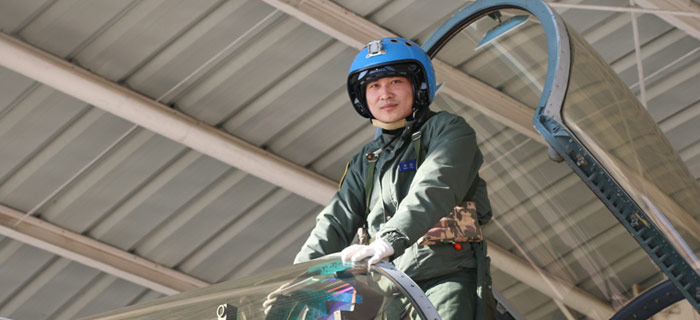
226,312
374,48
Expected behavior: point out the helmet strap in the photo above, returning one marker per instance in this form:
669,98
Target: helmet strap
389,126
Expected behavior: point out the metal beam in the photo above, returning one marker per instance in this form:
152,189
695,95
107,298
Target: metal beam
689,24
548,284
638,57
122,102
652,10
90,252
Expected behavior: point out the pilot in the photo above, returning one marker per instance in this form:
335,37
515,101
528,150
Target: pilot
407,180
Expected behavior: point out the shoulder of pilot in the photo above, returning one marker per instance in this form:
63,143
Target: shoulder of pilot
443,118
371,146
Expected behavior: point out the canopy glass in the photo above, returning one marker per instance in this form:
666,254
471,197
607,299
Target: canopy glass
540,212
320,289
543,212
614,126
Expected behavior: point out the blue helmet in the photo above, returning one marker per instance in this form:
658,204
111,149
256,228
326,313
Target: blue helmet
391,57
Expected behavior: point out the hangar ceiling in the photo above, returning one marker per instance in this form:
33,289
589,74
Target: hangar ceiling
150,147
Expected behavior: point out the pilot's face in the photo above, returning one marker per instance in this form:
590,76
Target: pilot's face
390,99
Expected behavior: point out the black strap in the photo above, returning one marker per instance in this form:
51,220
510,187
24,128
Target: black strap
363,233
479,249
472,188
418,147
369,180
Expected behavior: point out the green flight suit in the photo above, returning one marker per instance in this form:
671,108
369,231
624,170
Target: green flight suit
406,202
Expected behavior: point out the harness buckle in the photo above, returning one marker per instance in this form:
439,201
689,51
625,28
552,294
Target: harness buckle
416,135
371,157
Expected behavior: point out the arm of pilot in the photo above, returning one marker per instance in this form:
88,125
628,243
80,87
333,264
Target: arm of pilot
451,164
338,221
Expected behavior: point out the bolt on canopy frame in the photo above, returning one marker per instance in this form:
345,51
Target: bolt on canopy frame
592,121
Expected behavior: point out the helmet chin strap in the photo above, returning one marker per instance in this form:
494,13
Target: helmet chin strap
415,120
389,126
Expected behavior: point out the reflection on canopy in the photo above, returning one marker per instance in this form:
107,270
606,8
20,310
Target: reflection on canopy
515,63
323,289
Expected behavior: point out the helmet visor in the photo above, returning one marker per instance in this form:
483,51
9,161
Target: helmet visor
408,70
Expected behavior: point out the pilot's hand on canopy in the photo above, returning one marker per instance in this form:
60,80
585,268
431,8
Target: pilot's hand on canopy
271,298
377,251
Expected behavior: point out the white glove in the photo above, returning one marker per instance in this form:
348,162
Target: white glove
378,250
272,298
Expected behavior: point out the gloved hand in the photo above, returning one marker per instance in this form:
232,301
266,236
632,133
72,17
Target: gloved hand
272,297
377,250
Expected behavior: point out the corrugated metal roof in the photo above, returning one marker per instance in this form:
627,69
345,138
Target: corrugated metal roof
259,74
